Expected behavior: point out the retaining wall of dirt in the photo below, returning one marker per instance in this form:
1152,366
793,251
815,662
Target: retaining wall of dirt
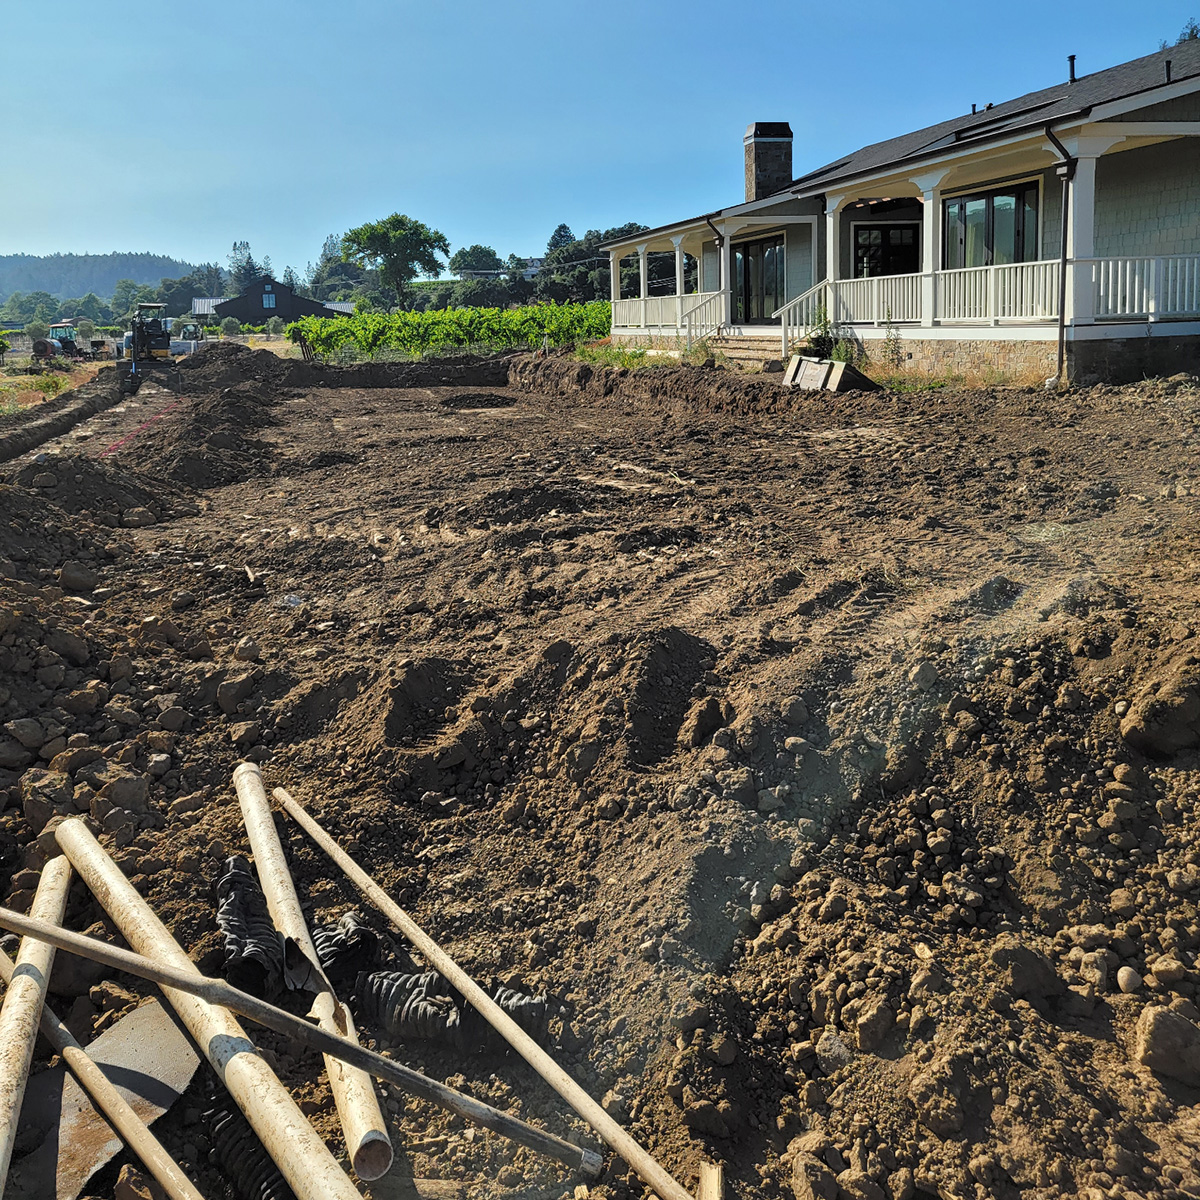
68,410
691,389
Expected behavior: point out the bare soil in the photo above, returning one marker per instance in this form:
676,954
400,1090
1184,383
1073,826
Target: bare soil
831,761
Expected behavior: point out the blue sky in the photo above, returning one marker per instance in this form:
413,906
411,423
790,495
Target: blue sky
179,128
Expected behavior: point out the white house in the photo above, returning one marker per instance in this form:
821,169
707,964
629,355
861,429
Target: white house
953,236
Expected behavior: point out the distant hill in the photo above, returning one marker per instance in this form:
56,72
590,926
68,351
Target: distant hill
70,275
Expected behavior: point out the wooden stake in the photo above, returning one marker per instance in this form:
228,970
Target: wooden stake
132,1130
646,1167
22,1007
363,1125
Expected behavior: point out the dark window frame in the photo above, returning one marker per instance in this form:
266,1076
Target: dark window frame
1020,190
742,300
857,226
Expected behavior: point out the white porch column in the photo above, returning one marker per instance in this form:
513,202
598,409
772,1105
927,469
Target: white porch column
931,239
833,241
726,253
643,272
1081,225
614,258
677,242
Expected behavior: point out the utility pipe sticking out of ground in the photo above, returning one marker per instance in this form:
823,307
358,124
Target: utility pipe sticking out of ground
363,1125
303,1158
648,1169
23,1001
217,993
132,1130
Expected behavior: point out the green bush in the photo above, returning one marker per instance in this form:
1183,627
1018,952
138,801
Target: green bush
37,329
421,332
3,345
230,327
275,326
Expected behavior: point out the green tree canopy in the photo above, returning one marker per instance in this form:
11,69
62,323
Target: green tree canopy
475,258
127,295
398,247
230,326
37,329
86,328
579,270
29,306
561,237
243,269
177,294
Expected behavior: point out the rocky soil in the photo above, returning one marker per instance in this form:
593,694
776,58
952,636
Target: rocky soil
831,762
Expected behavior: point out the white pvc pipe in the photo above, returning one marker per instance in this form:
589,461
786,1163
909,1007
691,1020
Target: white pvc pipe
363,1125
301,1156
22,1009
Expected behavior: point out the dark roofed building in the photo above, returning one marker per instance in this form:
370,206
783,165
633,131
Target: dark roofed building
267,298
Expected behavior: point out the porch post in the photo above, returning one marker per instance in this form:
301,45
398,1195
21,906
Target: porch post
1081,225
931,240
614,258
677,242
833,228
643,273
726,253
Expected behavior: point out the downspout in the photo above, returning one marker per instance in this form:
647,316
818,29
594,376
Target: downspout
1066,172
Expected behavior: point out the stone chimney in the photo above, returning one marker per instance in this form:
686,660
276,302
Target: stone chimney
768,158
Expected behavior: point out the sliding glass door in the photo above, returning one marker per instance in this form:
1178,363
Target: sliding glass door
758,280
992,228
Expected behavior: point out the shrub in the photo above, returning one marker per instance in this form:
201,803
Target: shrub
3,345
230,327
275,326
86,328
454,328
37,329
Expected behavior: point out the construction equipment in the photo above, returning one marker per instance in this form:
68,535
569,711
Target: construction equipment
151,337
189,331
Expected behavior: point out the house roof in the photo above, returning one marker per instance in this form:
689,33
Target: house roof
1033,109
203,306
340,306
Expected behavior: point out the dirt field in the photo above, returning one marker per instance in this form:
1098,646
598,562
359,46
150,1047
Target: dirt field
832,763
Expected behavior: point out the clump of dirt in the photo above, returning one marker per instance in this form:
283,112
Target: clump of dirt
212,443
98,490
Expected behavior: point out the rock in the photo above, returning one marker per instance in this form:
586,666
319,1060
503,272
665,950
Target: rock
45,479
705,1117
28,732
123,788
183,600
794,711
797,745
812,1179
737,783
936,1103
703,719
858,1185
43,794
923,676
616,1105
172,719
1128,980
875,1022
86,700
688,1014
835,906
232,691
158,765
72,647
133,1185
14,756
1164,717
75,576
832,1052
1168,970
244,734
74,759
558,651
137,518
247,650
901,1185
1169,1044
1025,974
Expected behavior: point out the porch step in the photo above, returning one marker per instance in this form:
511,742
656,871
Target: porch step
746,353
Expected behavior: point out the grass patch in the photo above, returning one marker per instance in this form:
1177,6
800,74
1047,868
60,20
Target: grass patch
614,356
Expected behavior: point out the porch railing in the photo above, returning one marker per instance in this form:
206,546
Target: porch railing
657,312
704,319
798,316
1141,286
987,295
876,300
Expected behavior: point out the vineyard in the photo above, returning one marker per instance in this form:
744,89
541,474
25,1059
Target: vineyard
420,332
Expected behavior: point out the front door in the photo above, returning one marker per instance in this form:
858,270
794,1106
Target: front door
887,250
758,281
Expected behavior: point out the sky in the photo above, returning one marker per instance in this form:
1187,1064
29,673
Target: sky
181,128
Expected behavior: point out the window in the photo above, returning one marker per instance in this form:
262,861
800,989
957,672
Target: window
758,280
268,299
992,228
886,249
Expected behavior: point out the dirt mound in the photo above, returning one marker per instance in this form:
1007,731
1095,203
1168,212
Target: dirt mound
100,491
211,442
36,539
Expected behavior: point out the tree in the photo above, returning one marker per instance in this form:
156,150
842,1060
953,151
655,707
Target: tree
177,294
243,270
37,329
398,247
127,295
275,326
292,280
561,237
30,306
481,293
230,327
579,270
86,328
475,258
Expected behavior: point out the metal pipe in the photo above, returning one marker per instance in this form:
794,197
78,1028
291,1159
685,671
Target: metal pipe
305,1161
220,995
119,1113
1067,171
363,1125
648,1169
22,1007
